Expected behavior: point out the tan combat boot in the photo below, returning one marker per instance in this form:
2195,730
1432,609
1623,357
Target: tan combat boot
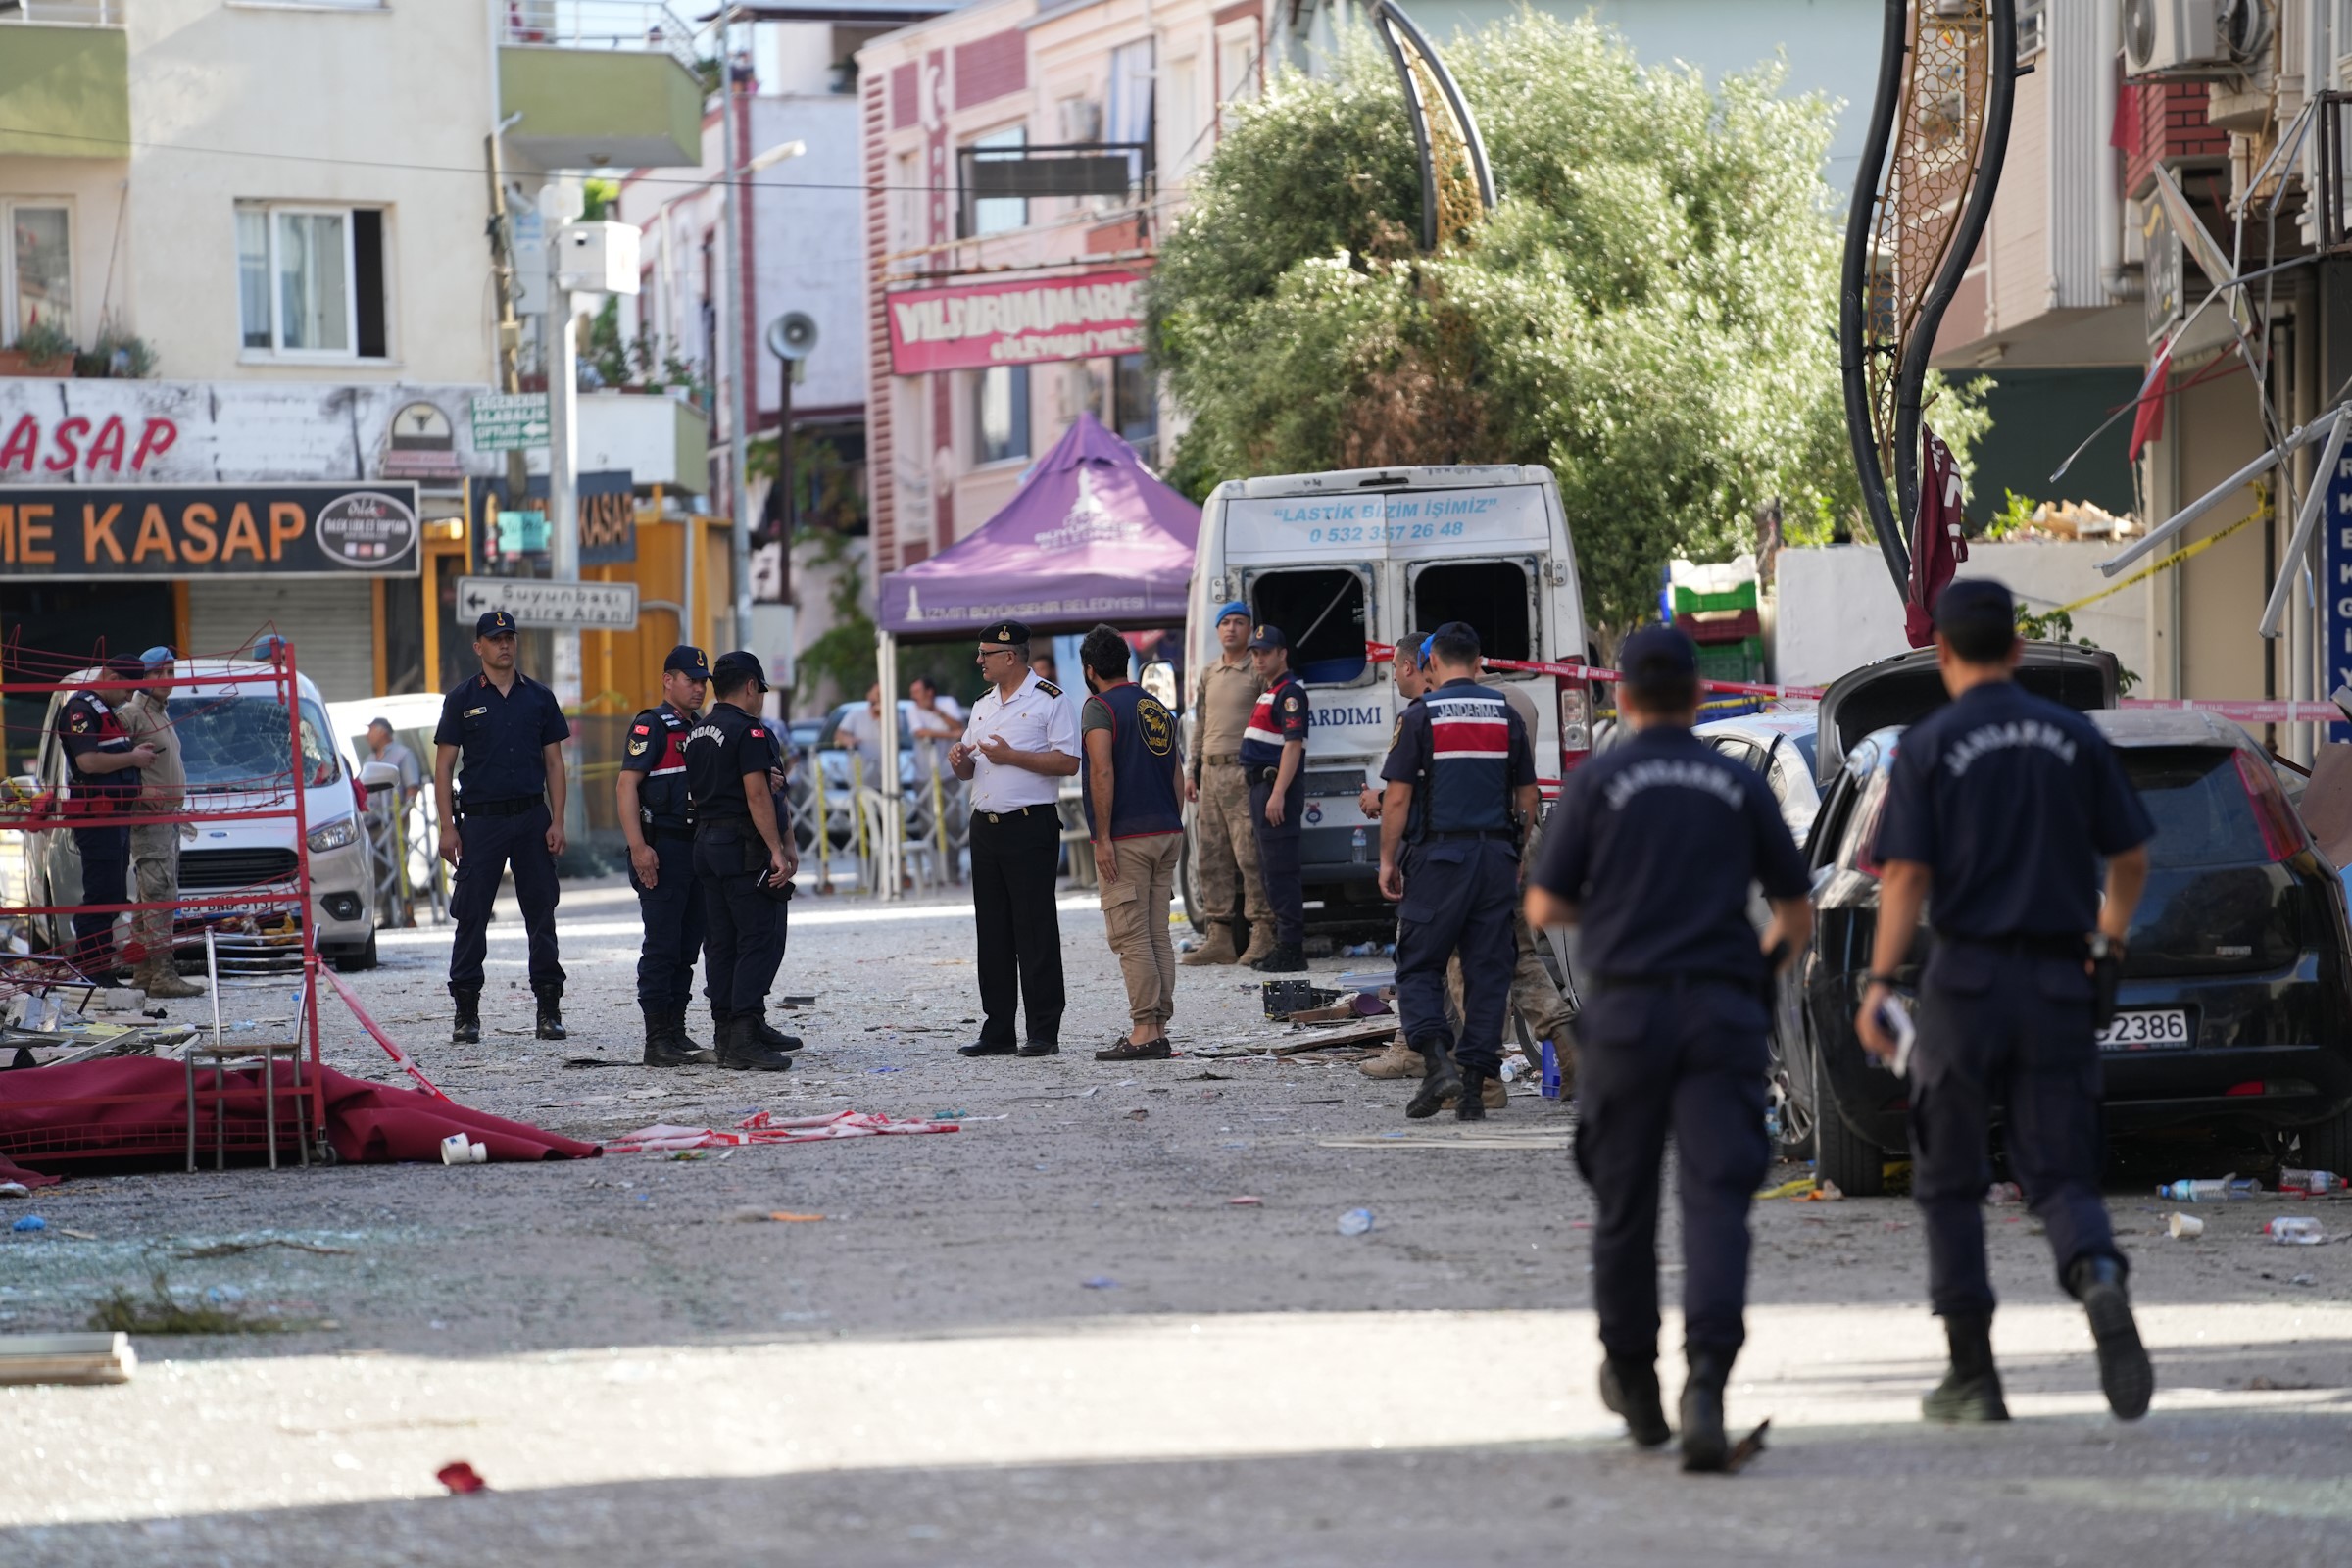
1217,949
158,979
1261,943
1400,1060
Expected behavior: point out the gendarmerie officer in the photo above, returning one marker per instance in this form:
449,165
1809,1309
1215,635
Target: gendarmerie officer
1021,742
1998,810
659,824
743,858
510,732
101,782
1652,848
1461,777
1274,761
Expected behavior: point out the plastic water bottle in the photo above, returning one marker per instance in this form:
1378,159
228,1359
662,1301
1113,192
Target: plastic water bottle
1355,1222
2215,1189
2318,1183
1360,844
2296,1230
1551,1071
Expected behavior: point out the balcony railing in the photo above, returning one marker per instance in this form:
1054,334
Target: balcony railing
61,12
637,27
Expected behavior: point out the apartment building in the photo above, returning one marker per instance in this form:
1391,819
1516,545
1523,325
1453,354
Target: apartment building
249,305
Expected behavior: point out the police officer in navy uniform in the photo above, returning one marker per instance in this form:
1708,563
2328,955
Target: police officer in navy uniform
101,782
1998,811
660,828
1652,848
1460,787
743,858
1274,760
510,732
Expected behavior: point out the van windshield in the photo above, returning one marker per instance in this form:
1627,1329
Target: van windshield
240,743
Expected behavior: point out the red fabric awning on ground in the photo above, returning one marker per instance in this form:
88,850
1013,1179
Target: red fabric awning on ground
137,1106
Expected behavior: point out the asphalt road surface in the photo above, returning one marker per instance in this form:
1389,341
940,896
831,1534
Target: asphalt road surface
1052,1337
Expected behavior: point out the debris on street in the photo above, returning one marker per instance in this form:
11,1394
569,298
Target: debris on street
72,1358
762,1128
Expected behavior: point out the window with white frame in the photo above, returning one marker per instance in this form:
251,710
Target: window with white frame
36,271
2033,27
1238,62
1001,413
311,280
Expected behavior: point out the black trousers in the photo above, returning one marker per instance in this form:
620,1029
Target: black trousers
1278,856
1459,895
105,879
1014,858
673,913
1688,1059
1994,1027
743,927
489,843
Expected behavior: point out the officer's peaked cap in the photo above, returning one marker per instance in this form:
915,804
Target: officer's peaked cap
1007,632
1269,637
494,624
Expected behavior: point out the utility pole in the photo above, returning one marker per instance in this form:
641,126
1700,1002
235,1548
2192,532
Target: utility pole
510,327
738,316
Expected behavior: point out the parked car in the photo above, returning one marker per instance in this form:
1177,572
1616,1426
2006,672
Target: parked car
1780,745
231,735
2235,985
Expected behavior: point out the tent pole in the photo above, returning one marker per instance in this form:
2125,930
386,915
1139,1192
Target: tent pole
886,663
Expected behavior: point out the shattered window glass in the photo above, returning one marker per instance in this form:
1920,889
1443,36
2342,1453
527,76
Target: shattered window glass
231,743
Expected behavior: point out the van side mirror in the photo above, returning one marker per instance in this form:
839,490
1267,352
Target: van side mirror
1159,679
379,776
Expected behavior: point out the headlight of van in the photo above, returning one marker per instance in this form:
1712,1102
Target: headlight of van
334,836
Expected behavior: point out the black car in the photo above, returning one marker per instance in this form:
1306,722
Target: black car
2236,997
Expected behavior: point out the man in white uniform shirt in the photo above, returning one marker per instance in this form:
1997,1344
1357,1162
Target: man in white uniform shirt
1022,741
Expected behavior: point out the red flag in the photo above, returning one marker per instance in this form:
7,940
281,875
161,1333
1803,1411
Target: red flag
2149,423
1939,536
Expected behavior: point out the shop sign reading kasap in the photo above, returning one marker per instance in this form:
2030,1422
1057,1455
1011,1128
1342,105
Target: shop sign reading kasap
84,531
972,327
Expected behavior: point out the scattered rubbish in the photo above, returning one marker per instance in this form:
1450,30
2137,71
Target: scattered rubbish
1083,1094
806,999
1551,1071
1101,1282
2304,1279
1245,1201
949,1115
1364,979
688,1154
1213,1077
778,1216
459,1477
594,1061
74,1358
1747,1447
234,1248
2296,1230
1282,998
160,1311
1355,1222
2213,1190
2318,1183
1824,1191
2185,1227
1802,1184
2004,1193
881,1070
31,1223
79,1235
15,1190
1514,1070
459,1149
762,1128
1361,949
1137,1113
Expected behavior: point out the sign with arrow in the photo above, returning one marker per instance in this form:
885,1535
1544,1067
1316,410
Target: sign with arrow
550,605
509,422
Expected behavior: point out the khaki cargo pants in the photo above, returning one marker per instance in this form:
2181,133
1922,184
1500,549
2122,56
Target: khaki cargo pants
1135,915
155,867
1225,850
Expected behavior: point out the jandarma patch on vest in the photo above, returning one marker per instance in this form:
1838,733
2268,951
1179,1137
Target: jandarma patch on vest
637,748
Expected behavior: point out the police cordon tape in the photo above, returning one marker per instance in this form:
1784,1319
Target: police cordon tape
2246,710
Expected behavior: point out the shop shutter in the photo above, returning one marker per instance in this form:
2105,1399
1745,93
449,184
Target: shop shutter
330,623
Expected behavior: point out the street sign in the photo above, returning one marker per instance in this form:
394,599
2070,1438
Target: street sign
553,606
522,533
509,422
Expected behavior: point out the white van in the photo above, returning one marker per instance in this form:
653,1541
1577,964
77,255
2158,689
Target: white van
230,734
1376,556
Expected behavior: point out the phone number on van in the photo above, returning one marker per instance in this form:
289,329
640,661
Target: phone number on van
1385,533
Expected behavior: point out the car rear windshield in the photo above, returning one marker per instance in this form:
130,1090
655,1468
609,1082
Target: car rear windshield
2202,812
239,743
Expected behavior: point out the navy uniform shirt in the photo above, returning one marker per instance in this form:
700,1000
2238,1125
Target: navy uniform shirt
1281,715
499,738
657,748
2010,800
1465,750
725,745
1657,842
88,724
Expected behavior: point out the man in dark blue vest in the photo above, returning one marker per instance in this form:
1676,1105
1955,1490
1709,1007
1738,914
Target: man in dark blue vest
1274,761
656,820
1136,814
1461,782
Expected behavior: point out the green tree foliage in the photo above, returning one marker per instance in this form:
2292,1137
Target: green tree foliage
1652,310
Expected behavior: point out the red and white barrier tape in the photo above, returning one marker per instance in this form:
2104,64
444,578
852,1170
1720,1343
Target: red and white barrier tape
1377,652
398,1055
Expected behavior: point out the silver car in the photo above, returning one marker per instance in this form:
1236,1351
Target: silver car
1780,745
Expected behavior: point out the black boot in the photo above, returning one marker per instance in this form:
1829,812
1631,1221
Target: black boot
1286,959
1630,1389
773,1038
466,1029
2125,1374
1971,1391
550,1012
1472,1104
695,1049
666,1044
738,1048
1440,1082
1704,1445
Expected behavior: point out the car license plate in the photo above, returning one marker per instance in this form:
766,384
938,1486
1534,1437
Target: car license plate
2147,1029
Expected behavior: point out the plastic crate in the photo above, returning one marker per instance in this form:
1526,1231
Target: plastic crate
1720,625
1691,602
1743,661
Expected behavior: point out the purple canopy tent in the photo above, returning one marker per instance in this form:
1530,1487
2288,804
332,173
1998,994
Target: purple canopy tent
1091,536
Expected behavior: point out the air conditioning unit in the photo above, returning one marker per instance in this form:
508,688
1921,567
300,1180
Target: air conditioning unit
2175,38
